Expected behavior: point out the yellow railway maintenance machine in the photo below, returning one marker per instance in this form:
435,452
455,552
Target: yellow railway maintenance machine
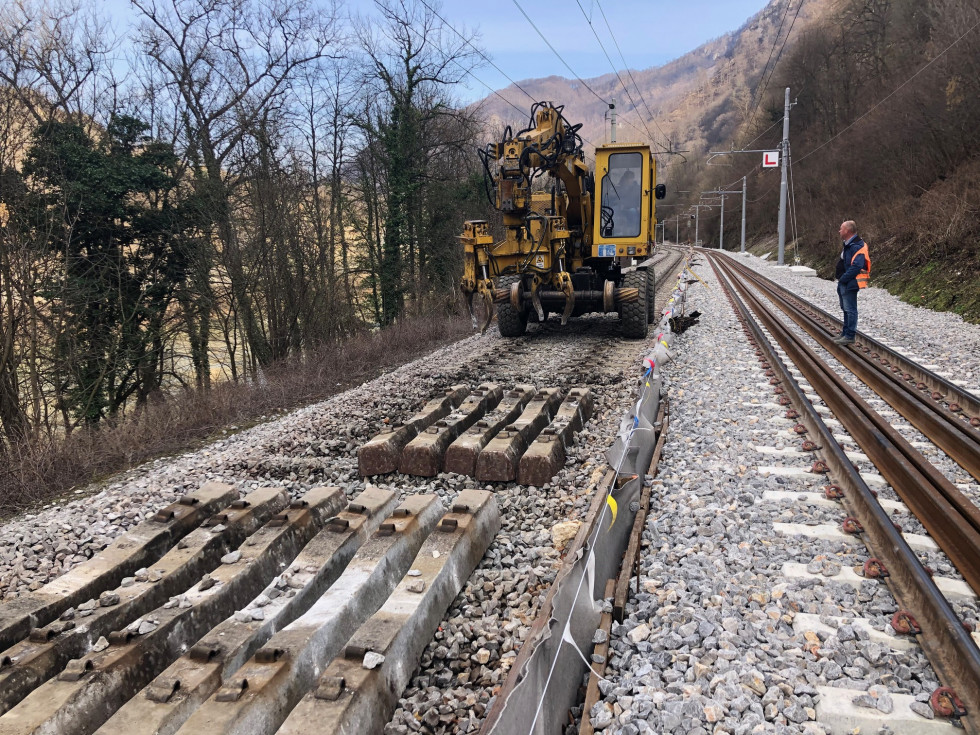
559,253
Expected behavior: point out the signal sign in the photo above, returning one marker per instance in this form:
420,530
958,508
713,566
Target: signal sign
770,159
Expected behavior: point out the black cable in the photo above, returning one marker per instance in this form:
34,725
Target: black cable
583,82
772,71
630,73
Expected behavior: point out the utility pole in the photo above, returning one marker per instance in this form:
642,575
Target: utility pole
731,191
721,230
612,120
743,215
783,181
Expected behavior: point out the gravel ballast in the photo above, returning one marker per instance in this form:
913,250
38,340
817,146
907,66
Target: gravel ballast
708,644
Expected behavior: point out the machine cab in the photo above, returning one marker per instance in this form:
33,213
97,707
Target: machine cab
626,185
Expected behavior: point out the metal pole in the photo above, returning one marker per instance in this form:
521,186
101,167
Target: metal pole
721,229
743,214
697,221
677,232
782,182
612,119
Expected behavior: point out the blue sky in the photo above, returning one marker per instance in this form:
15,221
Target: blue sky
649,33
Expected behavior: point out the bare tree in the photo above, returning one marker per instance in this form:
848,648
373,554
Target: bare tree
414,59
227,63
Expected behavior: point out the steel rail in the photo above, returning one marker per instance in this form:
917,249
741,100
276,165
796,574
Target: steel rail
954,526
957,438
965,413
947,644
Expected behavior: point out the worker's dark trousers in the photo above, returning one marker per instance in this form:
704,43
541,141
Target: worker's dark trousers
849,305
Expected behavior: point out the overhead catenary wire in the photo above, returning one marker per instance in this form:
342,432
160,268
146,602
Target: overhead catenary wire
477,49
486,58
616,72
772,71
892,93
630,73
555,51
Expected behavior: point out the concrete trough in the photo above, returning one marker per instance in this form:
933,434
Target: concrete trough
498,460
424,454
359,691
47,651
166,703
135,549
462,454
547,453
257,698
380,455
92,687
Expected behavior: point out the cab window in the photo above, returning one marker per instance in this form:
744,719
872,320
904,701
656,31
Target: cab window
621,196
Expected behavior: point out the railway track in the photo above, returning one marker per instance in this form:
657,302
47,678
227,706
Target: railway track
935,407
317,596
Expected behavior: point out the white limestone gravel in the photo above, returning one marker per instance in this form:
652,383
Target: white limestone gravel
708,644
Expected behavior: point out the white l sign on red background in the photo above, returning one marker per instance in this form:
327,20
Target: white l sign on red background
770,159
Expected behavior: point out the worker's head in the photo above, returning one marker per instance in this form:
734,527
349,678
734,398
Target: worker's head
848,229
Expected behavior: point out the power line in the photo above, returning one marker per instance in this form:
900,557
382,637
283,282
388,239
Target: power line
615,71
772,71
583,82
774,42
630,73
477,49
489,61
892,93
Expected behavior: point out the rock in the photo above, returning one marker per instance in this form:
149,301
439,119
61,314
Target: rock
417,585
372,660
563,533
232,558
639,633
108,599
100,645
922,710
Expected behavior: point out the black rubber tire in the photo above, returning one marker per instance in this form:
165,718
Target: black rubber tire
510,321
633,314
651,296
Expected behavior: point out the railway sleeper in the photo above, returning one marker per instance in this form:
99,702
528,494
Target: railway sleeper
498,460
380,454
546,455
166,703
462,454
257,697
91,688
49,649
359,690
424,454
136,548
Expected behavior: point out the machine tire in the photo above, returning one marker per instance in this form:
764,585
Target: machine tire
633,315
510,321
651,296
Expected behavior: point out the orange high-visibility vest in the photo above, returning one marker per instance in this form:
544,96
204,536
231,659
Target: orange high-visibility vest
864,276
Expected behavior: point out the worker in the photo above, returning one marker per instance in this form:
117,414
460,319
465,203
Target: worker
853,272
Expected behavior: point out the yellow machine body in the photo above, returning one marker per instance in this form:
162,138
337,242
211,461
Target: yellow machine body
557,254
626,179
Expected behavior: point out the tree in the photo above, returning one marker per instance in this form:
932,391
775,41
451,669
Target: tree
228,63
110,212
413,60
